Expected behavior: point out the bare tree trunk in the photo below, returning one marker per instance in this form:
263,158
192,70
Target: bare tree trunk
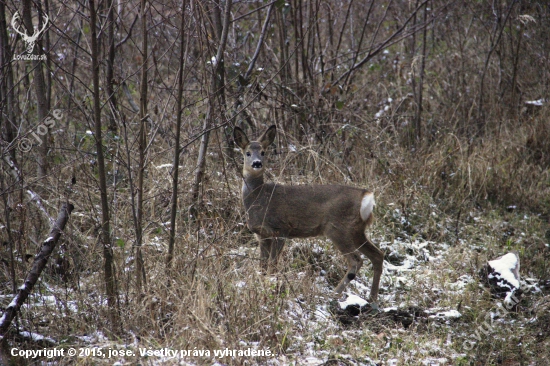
215,92
7,214
514,105
40,90
410,136
47,49
110,281
140,270
7,125
72,75
175,171
418,115
303,49
110,66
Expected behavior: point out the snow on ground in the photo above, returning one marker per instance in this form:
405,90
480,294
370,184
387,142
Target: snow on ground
35,337
506,268
450,314
416,262
417,272
352,300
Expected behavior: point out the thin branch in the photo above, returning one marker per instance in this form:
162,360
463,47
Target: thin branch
381,47
129,33
260,43
253,11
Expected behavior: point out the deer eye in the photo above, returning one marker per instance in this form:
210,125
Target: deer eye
248,153
263,153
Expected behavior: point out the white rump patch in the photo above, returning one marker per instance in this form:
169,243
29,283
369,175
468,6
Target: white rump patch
367,205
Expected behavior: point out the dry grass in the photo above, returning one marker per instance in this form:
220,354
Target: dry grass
449,195
449,202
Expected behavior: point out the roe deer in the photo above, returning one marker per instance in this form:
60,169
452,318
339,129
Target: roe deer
275,212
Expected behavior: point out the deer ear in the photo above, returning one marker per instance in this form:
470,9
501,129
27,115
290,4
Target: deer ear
268,136
240,138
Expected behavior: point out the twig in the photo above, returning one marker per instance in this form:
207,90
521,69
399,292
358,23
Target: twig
129,33
381,47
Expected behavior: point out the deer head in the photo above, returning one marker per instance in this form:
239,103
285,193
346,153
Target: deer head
29,40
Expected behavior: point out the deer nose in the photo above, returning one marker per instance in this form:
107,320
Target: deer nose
256,164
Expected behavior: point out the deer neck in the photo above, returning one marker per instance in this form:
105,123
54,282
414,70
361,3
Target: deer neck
252,184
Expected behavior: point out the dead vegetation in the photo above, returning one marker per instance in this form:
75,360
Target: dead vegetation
461,175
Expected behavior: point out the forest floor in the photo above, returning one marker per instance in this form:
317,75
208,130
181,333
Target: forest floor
434,307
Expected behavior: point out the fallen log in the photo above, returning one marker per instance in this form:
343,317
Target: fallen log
38,265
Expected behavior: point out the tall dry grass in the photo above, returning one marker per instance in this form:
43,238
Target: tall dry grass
215,296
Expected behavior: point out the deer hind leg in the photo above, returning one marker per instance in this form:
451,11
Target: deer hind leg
354,264
376,256
270,250
346,245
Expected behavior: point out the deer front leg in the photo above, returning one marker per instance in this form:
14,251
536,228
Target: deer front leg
276,249
265,250
270,250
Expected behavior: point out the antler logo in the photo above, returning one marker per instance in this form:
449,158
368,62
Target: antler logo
29,40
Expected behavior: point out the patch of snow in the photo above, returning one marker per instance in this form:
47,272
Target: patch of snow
164,166
322,313
434,361
537,103
449,314
13,302
352,300
510,300
311,360
406,266
530,285
461,282
96,337
36,337
505,266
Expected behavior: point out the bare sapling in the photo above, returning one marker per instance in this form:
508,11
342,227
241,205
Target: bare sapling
275,212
